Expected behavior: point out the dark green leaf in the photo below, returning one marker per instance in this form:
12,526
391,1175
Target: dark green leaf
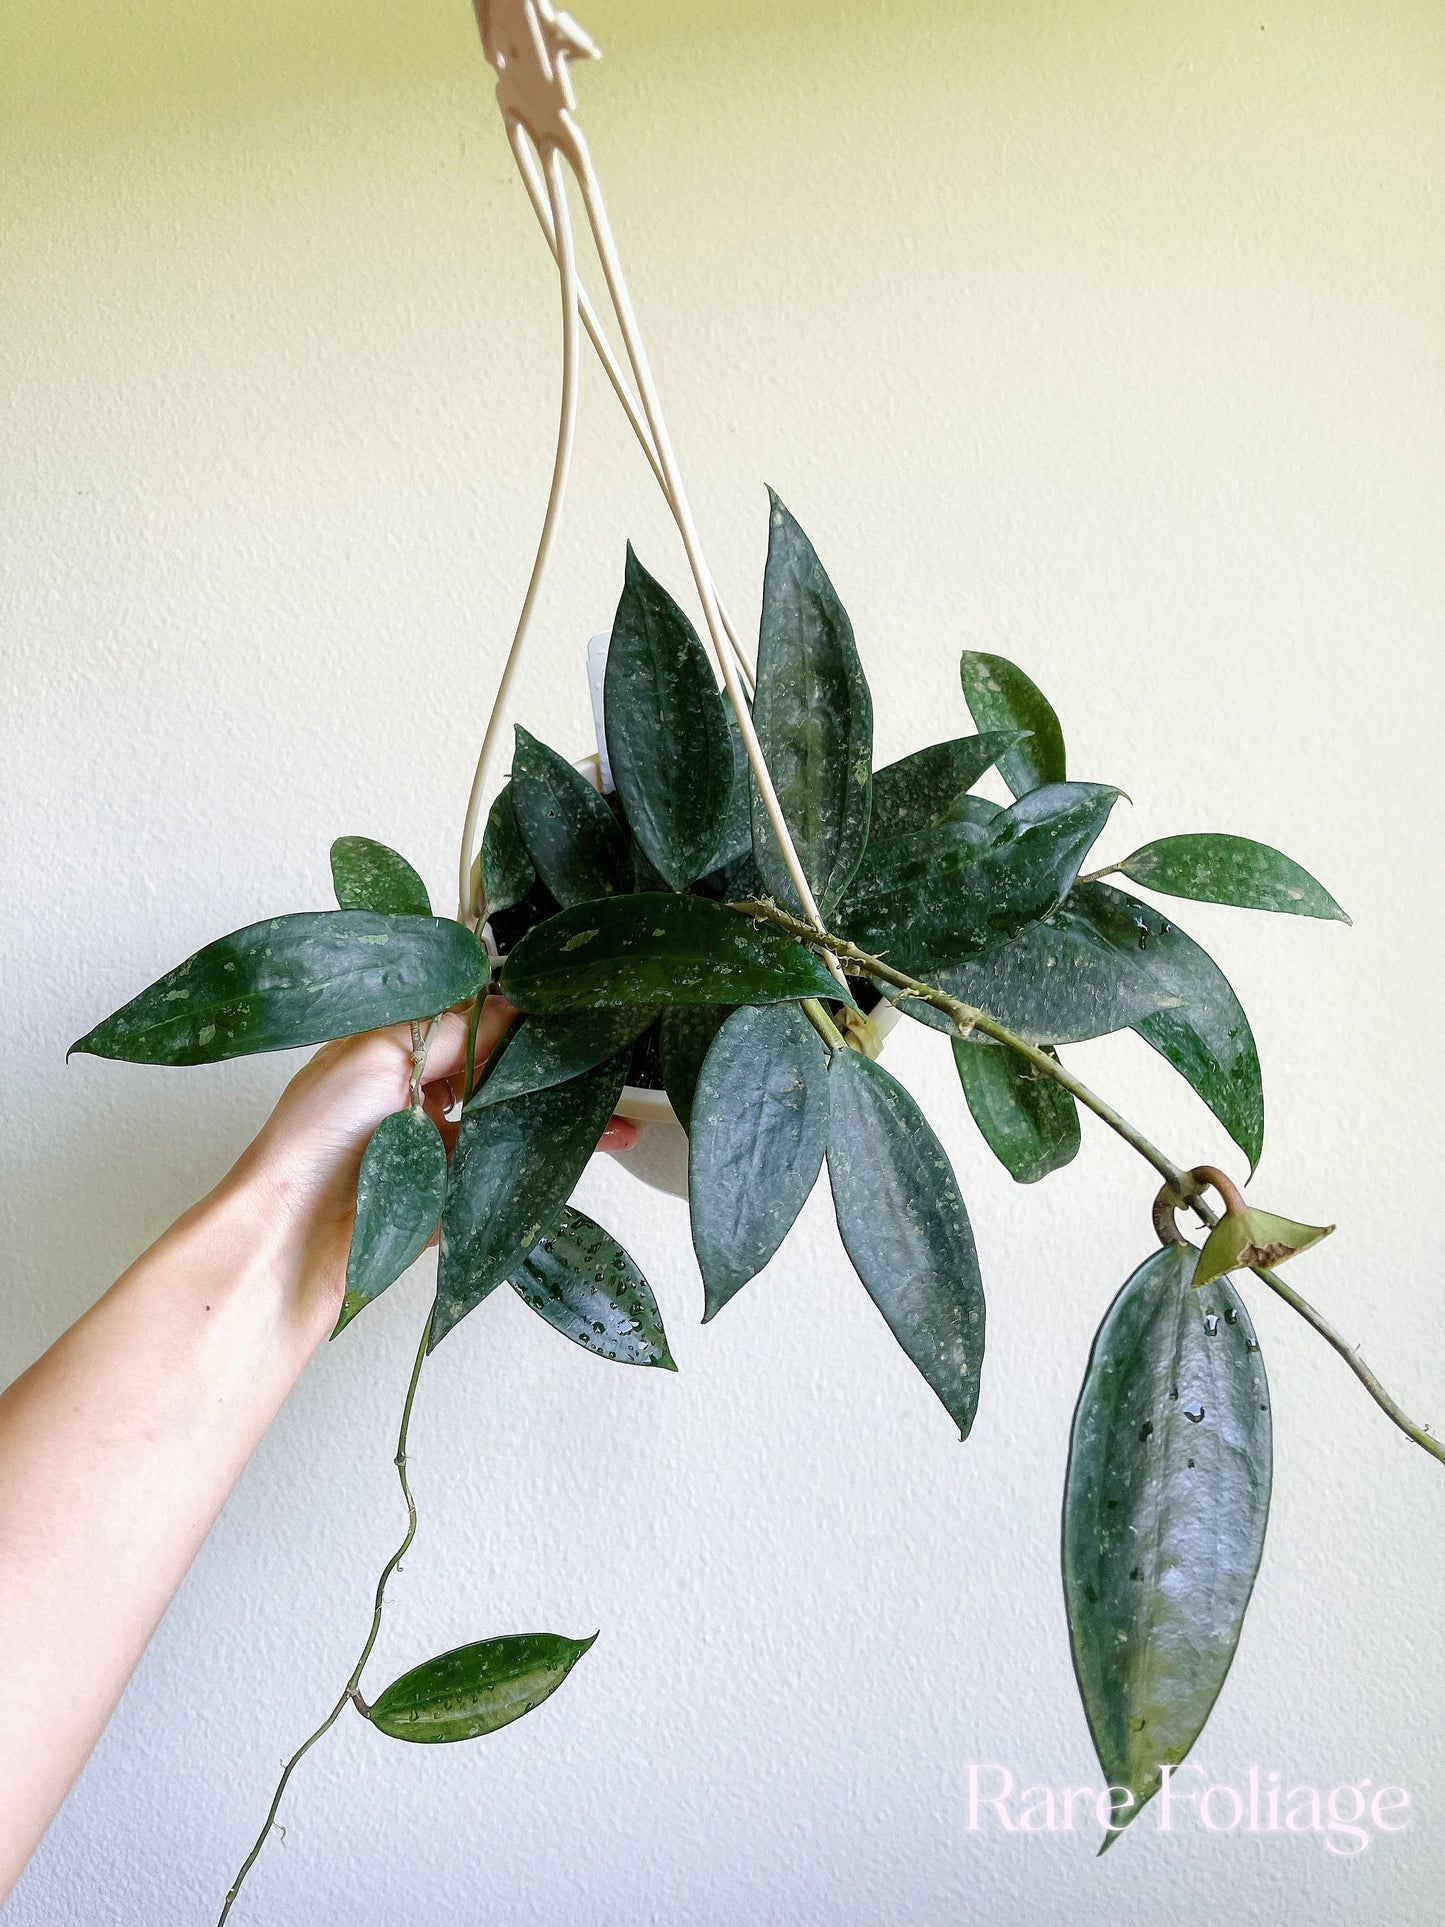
1205,1034
369,876
687,1034
1164,1515
1000,696
759,1130
476,1689
905,1228
658,950
928,788
507,870
1030,1123
667,733
571,835
399,1197
814,719
1057,982
292,981
586,1287
924,902
550,1050
737,838
513,1169
1230,869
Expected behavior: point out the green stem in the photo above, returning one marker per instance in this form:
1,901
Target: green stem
967,1019
817,1015
351,1693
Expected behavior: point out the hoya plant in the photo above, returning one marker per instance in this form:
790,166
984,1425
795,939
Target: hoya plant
636,911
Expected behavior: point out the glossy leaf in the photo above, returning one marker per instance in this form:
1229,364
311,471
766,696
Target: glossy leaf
928,788
1000,696
399,1196
476,1689
936,899
571,835
550,1050
1164,1515
758,1133
658,950
667,733
293,981
586,1287
687,1034
1057,982
905,1228
737,837
814,719
508,873
1203,1032
369,876
1030,1123
513,1169
1230,869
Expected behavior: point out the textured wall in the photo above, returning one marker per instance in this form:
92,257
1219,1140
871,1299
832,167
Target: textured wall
1105,335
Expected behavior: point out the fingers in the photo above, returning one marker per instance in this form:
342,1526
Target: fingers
620,1135
447,1057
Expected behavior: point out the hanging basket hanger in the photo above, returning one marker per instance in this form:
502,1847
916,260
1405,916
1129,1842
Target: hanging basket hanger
531,47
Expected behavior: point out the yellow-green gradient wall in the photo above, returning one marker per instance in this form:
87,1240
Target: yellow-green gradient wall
1108,336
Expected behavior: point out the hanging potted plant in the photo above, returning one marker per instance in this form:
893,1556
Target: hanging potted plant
720,921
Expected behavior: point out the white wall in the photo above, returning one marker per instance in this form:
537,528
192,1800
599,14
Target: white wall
1105,335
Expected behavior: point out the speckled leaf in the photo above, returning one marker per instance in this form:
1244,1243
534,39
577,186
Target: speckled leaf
667,733
1000,696
399,1196
1164,1515
687,1034
658,950
1205,1034
550,1050
814,719
905,1228
737,837
586,1287
508,873
1030,1123
928,788
463,1694
759,1131
1230,869
1057,982
369,876
513,1169
570,833
293,981
935,899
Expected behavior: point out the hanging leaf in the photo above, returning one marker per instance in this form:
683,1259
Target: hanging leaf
1164,1515
586,1287
658,950
814,719
399,1197
759,1130
508,872
513,1169
293,981
571,835
905,1228
1230,869
928,788
369,876
1202,1032
928,901
1057,982
1000,696
1030,1123
550,1050
687,1034
667,733
476,1689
